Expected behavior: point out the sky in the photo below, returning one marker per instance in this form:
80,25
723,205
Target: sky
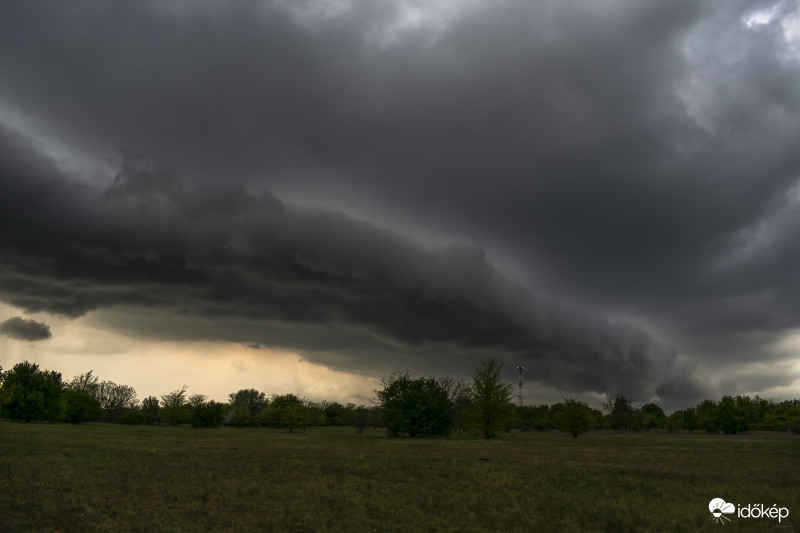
304,196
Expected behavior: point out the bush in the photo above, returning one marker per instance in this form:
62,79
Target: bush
653,416
207,415
247,408
573,417
360,418
80,406
29,394
286,411
132,417
415,407
335,414
620,412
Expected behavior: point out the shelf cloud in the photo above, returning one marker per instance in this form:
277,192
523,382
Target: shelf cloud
605,192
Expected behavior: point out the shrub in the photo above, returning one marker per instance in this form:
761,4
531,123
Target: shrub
286,411
29,394
80,406
132,417
573,418
207,415
247,407
414,407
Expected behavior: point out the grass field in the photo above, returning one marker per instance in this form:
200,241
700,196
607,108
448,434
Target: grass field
103,477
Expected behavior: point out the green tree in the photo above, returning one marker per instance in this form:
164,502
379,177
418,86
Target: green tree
791,413
730,416
205,414
294,416
749,412
315,413
653,416
763,411
785,416
80,406
29,394
174,407
335,414
704,416
689,419
287,411
681,418
525,417
538,417
573,418
491,407
150,410
414,407
247,406
596,419
359,417
132,416
620,411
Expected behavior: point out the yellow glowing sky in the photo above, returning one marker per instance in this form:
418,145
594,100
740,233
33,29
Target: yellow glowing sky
155,368
218,368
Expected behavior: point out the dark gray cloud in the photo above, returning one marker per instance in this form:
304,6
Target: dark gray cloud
25,330
635,160
214,261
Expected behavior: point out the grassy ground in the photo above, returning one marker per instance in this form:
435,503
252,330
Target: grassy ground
100,477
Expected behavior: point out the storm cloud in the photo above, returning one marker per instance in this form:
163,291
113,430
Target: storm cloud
606,192
269,272
25,330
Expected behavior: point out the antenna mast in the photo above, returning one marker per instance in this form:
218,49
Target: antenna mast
520,369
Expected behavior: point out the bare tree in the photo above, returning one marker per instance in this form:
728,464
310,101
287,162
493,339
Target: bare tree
84,382
197,400
114,398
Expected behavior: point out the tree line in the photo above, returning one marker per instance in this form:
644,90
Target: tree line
730,415
404,406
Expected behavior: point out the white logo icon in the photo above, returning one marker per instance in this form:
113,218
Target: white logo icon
718,508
